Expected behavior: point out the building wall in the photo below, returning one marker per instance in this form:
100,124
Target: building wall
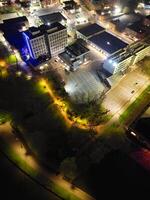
141,54
124,64
38,46
57,42
79,35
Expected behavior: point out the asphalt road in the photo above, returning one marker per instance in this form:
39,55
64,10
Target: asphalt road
124,92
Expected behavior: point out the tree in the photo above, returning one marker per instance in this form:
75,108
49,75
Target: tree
68,168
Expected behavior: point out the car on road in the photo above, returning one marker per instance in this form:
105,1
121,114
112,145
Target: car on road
132,91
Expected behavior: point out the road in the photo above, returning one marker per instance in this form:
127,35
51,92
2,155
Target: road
18,148
126,91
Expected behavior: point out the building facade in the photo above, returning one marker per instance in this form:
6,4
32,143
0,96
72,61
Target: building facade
36,43
121,60
56,39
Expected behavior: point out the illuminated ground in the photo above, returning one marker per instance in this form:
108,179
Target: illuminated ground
84,86
125,91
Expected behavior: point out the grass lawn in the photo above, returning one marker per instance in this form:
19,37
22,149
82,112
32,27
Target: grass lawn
129,113
4,117
34,173
91,113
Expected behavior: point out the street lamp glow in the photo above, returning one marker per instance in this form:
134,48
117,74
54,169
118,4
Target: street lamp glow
117,10
114,64
110,61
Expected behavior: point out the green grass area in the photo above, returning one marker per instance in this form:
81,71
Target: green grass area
129,113
4,117
7,9
63,193
114,136
92,113
11,59
12,155
34,173
44,127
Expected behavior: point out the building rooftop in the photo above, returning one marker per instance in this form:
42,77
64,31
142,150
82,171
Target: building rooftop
70,3
77,49
91,29
52,18
33,32
130,50
137,27
108,42
52,28
16,20
148,17
73,52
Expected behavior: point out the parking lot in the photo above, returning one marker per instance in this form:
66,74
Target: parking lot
83,85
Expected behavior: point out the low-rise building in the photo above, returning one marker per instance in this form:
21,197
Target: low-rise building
17,23
147,21
70,5
121,60
51,18
107,43
136,31
74,55
88,31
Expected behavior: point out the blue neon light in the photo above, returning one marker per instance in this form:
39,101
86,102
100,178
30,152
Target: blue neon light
27,42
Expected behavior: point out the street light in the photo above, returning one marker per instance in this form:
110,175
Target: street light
117,10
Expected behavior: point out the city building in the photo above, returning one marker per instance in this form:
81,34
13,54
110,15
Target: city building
17,23
36,43
88,31
56,36
147,21
136,31
121,60
107,43
48,19
46,40
74,56
70,5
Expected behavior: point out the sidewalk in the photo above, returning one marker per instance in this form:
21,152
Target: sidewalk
29,165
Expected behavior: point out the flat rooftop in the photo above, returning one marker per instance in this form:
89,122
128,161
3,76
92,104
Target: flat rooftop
137,27
108,42
52,18
72,52
77,49
34,32
91,29
148,17
16,20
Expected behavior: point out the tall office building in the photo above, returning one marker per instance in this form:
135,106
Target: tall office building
46,40
56,35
